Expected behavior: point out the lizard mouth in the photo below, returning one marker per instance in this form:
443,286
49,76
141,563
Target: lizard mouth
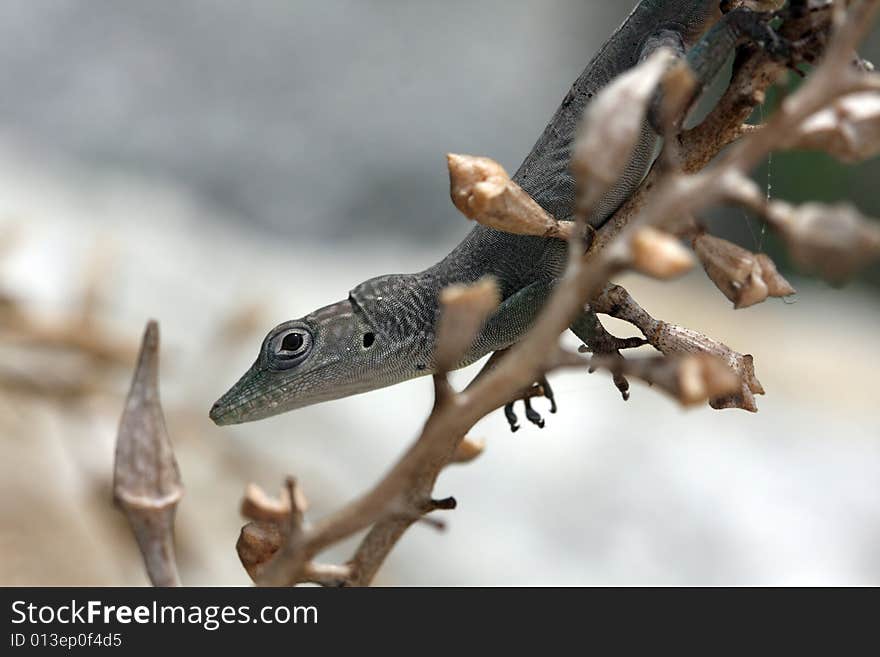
257,396
222,415
235,412
244,401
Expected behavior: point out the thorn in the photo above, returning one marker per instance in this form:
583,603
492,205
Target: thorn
445,504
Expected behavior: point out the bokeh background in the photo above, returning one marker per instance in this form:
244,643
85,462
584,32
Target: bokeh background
223,166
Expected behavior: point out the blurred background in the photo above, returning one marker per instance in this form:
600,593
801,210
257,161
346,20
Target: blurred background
225,166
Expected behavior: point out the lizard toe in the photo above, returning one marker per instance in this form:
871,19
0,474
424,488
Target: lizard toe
511,417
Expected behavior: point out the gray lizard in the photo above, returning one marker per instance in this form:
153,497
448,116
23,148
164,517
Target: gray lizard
384,332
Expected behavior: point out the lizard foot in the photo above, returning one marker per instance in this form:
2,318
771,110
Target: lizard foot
760,29
755,26
605,344
808,48
539,389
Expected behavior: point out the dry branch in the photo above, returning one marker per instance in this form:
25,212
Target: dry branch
690,379
673,340
695,366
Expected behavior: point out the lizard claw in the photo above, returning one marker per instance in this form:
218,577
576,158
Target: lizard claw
756,26
511,417
532,415
605,344
540,389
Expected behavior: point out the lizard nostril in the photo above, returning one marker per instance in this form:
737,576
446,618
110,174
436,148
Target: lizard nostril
217,412
369,339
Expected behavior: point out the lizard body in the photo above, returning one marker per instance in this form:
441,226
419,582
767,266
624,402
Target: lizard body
383,333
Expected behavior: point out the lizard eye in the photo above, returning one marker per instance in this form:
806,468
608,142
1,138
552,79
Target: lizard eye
288,347
292,342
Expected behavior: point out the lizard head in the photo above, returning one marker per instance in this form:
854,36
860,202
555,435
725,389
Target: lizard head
339,350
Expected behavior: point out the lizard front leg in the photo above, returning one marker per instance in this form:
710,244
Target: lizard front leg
512,319
599,341
708,54
541,388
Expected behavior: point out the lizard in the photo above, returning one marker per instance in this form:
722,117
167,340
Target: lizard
383,333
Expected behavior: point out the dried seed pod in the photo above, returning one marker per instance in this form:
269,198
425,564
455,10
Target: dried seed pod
680,89
658,254
834,241
777,286
613,124
465,309
468,449
742,276
257,543
482,191
848,129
